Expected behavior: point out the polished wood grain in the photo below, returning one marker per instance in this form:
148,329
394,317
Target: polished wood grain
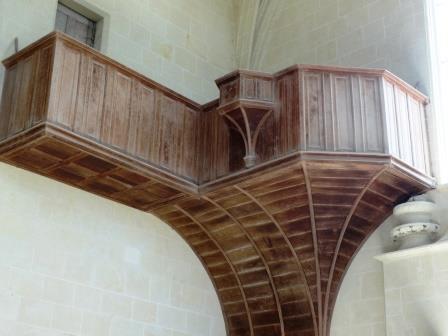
333,151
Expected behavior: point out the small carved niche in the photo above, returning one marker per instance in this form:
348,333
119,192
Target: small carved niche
246,102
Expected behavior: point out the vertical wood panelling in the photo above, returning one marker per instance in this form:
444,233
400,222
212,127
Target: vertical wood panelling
391,119
90,104
404,132
141,120
67,86
42,85
188,161
313,111
343,114
115,126
8,100
23,95
286,119
371,111
416,125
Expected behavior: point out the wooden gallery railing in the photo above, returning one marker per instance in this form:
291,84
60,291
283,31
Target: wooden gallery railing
275,186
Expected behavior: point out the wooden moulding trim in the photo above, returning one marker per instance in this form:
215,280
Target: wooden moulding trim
316,249
339,243
29,49
255,171
294,253
94,148
237,73
247,103
266,266
19,140
232,267
360,71
291,159
34,133
414,173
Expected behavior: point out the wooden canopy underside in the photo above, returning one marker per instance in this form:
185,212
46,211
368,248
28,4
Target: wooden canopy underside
276,239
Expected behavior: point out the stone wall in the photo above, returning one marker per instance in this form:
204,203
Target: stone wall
387,34
359,308
72,263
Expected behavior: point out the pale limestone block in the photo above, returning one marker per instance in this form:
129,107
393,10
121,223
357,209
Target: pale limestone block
36,312
109,276
394,303
144,311
140,35
367,311
379,329
412,293
95,324
198,324
67,319
346,6
9,306
382,8
27,284
124,327
87,298
173,318
48,261
58,291
326,53
160,289
79,268
154,24
192,298
137,284
161,47
176,17
118,305
5,279
217,327
185,59
154,330
349,42
327,12
357,18
179,333
176,35
120,24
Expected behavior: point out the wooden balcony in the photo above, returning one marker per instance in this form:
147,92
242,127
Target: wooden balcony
275,186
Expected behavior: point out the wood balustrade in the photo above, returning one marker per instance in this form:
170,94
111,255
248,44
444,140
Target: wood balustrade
275,185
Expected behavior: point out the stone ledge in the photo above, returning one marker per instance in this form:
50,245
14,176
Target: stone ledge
387,257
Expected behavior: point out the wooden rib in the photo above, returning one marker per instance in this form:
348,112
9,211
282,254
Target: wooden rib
316,251
297,260
341,236
268,271
192,218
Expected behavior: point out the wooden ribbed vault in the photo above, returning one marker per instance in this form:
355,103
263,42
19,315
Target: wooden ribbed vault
330,152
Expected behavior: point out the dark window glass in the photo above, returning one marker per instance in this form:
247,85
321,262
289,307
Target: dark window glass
76,25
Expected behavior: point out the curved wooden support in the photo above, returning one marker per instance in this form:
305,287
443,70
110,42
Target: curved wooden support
248,119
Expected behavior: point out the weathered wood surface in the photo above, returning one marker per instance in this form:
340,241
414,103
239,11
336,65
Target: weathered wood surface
276,239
